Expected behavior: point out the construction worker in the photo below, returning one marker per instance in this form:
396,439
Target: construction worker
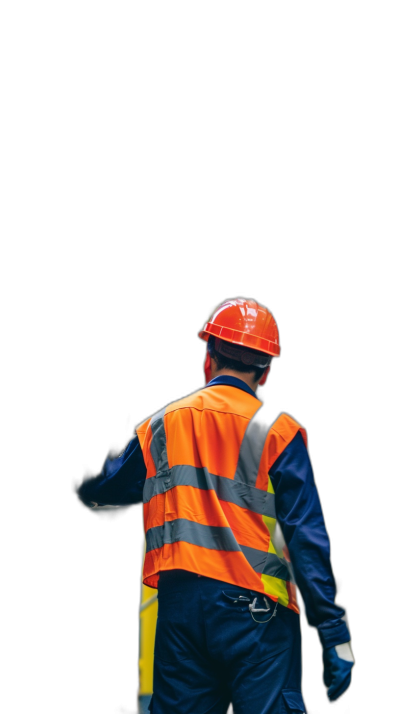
232,520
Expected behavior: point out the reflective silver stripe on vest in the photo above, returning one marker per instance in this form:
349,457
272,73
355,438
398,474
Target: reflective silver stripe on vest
278,568
211,537
240,491
158,446
215,538
267,563
255,499
250,454
257,558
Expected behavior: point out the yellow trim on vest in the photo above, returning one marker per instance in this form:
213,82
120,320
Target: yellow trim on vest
276,588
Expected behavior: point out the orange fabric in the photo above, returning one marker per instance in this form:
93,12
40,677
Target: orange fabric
226,566
144,435
205,430
195,450
291,588
251,530
141,431
222,398
154,512
280,434
189,502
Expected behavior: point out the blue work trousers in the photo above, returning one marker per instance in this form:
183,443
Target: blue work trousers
209,651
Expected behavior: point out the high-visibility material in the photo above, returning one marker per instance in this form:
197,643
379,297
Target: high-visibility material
147,632
246,323
209,504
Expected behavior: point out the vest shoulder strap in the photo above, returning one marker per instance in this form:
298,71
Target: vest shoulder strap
250,452
281,433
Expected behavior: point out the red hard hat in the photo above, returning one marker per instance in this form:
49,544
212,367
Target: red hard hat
244,322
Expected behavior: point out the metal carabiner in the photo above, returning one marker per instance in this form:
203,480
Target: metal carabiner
253,608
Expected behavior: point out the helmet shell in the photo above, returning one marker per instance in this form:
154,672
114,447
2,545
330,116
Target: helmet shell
244,322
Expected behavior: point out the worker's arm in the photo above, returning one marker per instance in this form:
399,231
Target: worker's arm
299,513
120,482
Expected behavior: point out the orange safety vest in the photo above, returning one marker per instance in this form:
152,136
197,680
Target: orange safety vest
208,499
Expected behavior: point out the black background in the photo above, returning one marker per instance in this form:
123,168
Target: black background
131,347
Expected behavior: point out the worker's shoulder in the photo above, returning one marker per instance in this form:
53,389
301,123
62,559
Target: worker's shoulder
142,428
196,400
190,400
286,427
219,398
280,435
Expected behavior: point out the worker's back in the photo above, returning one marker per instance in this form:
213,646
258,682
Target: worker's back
208,500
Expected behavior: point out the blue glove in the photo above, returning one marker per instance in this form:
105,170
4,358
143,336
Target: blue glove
338,662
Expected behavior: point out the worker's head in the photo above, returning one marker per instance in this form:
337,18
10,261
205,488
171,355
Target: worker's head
242,337
231,357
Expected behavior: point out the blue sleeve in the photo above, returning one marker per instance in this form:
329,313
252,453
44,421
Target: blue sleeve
120,482
299,514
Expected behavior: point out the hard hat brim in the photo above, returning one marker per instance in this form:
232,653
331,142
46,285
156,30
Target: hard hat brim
245,339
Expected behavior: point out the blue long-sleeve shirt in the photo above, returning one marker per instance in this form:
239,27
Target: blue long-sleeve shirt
298,511
120,482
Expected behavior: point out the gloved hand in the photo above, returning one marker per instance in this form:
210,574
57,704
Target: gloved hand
338,662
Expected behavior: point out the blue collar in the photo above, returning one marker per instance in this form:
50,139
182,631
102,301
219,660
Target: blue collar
232,382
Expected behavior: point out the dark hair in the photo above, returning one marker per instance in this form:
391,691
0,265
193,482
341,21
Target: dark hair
223,361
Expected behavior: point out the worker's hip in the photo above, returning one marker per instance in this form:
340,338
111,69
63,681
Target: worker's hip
203,618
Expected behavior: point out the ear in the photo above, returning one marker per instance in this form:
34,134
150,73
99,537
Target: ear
264,377
207,367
